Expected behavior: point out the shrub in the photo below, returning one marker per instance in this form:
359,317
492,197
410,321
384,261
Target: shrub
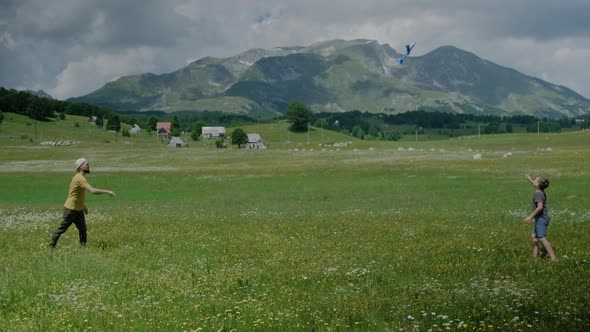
220,143
195,135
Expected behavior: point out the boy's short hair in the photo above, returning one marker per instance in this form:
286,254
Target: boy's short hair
543,183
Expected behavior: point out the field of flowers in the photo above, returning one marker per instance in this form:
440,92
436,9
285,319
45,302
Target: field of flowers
370,239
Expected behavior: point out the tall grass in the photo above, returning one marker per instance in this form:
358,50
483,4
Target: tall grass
382,239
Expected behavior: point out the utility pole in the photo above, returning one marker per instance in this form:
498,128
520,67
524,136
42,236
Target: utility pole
478,131
538,127
308,132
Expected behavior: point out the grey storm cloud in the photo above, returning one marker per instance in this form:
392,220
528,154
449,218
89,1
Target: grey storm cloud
73,47
97,24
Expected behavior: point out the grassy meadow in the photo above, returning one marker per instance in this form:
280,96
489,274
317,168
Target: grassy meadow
375,236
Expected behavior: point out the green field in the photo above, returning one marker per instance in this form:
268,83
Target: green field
394,236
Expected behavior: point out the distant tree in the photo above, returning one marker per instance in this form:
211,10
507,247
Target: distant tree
195,135
175,132
130,120
492,128
114,123
374,132
39,109
565,122
57,106
321,123
125,132
358,132
239,137
391,135
21,100
82,109
152,123
554,127
509,128
198,127
175,125
299,115
70,108
544,126
62,116
99,121
455,123
1,117
5,105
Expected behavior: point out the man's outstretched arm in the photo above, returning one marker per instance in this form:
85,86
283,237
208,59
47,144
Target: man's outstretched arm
97,191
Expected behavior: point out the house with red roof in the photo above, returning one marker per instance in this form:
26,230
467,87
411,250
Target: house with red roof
163,129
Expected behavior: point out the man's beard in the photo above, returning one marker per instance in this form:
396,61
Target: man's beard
87,171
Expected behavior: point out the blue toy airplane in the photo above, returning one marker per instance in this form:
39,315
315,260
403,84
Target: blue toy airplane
408,50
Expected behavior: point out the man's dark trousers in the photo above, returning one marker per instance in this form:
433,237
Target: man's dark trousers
69,217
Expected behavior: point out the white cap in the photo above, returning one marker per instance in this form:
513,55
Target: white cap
79,163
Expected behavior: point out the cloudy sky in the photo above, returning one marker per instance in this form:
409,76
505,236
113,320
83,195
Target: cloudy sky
70,48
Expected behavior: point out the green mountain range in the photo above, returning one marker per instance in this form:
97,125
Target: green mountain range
338,76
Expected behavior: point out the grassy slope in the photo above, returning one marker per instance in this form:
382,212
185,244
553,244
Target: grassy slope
292,240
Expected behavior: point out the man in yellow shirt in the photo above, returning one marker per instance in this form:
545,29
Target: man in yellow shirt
74,208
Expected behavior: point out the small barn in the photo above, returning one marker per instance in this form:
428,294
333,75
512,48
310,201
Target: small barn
255,142
135,130
176,142
163,129
213,132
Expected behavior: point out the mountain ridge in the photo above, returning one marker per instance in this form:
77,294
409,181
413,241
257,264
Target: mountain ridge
341,75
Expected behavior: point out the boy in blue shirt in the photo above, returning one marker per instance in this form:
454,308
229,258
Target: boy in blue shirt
541,216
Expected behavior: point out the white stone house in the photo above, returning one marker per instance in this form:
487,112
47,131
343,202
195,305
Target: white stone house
255,142
213,132
176,142
135,130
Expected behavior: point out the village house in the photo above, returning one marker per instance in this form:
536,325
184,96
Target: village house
92,120
135,130
176,142
213,132
163,129
255,142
